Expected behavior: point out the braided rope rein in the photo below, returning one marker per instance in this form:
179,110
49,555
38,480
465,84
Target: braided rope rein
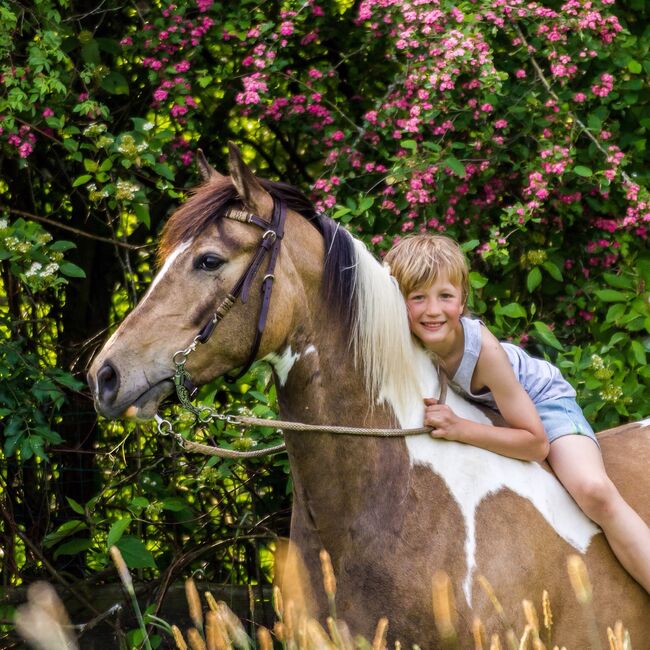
206,414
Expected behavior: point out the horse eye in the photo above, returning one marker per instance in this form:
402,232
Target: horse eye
208,262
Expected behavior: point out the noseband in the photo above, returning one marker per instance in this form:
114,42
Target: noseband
269,244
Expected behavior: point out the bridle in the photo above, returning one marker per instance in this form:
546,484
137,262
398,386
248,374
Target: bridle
269,244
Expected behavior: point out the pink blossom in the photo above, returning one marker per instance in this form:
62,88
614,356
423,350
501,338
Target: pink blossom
182,66
47,112
286,28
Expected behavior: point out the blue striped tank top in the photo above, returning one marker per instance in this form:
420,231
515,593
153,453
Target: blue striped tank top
540,379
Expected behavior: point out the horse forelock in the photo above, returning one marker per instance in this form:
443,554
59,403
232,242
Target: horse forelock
208,202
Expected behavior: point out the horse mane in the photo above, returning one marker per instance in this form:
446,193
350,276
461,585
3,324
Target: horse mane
356,289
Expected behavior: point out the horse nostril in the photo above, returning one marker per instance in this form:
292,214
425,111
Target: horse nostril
107,382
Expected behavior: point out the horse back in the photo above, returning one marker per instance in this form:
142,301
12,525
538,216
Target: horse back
626,454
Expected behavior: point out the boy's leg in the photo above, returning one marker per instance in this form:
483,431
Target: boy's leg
578,463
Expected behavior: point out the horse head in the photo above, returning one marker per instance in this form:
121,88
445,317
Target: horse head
218,243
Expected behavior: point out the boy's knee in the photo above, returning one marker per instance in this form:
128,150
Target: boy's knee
597,497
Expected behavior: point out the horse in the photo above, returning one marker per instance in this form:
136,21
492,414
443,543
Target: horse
391,512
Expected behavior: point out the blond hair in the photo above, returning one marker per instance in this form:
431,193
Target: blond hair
416,262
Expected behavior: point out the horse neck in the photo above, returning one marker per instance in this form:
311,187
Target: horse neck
320,381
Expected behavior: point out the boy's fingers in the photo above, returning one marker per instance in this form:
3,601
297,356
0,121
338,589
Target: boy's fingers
430,401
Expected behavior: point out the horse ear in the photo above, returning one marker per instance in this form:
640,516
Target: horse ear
254,196
207,171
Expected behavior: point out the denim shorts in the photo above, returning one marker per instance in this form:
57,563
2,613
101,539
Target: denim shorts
563,417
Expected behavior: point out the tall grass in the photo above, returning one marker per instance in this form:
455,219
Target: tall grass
43,621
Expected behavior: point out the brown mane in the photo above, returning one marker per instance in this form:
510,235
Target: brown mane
209,201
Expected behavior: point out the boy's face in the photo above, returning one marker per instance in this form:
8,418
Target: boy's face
434,313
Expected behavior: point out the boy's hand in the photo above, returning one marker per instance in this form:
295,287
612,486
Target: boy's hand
442,420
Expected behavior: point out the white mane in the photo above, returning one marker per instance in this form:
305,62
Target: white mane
397,370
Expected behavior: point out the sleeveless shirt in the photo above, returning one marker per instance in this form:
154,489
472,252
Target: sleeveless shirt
539,378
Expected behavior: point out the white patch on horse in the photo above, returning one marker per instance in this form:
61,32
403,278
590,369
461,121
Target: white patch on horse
167,265
310,349
282,363
400,373
644,423
472,473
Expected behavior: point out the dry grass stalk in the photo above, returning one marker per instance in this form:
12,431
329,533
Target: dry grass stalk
511,638
317,638
278,604
43,621
233,626
212,603
333,627
216,635
538,644
195,639
264,640
329,580
279,631
525,637
379,642
489,590
194,603
345,637
495,642
530,613
122,569
579,579
301,631
289,622
478,633
178,638
444,608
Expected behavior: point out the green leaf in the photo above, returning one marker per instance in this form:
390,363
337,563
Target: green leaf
164,170
115,83
455,165
135,553
512,310
534,279
634,67
409,144
611,295
553,270
116,531
66,529
618,281
546,335
62,245
173,504
469,245
72,547
615,312
580,170
639,352
77,507
142,213
81,180
72,270
365,204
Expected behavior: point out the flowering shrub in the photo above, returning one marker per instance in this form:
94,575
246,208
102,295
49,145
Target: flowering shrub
518,128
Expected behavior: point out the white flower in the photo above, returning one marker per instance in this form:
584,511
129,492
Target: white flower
33,269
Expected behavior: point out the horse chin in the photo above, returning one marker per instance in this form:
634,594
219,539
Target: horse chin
146,406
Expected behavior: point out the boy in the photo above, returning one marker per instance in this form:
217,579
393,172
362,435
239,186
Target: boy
538,404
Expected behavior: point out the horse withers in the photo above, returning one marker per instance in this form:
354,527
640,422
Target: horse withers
391,511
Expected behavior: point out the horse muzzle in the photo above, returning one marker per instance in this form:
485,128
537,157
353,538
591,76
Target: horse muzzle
115,399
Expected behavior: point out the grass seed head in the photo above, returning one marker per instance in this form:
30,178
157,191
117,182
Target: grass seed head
478,633
264,640
444,609
525,637
379,642
278,604
329,580
194,603
195,639
546,610
531,615
216,635
489,590
495,642
579,579
178,638
212,603
122,569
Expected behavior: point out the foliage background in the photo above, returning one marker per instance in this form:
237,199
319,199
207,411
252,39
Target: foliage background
518,128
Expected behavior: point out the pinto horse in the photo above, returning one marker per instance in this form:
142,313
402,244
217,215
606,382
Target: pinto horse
390,511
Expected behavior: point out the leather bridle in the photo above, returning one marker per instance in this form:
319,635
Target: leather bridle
269,244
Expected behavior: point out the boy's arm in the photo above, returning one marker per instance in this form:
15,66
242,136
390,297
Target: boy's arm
523,437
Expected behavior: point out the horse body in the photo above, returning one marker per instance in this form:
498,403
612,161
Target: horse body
391,512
